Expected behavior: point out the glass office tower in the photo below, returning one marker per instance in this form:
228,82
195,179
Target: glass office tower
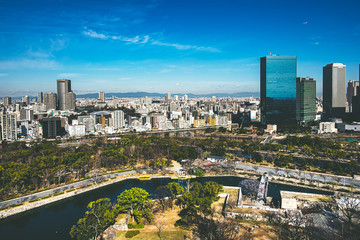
305,100
278,89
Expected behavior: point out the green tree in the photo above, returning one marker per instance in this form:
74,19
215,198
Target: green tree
134,201
174,189
98,217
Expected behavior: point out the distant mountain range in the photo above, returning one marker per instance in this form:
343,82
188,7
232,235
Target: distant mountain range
147,94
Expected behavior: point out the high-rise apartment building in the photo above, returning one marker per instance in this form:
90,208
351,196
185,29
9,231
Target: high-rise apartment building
50,100
351,92
305,100
70,101
8,126
102,96
278,89
6,101
168,97
40,97
66,99
26,114
118,119
26,100
334,85
51,127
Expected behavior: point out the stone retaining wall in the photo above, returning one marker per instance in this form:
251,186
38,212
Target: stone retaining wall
16,210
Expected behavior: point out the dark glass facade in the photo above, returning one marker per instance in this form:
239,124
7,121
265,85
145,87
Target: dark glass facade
278,89
305,100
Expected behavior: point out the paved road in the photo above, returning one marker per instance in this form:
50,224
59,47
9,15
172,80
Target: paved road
295,174
60,189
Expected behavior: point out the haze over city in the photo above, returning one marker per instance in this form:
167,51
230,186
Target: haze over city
169,46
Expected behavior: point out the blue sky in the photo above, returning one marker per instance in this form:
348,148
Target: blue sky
198,46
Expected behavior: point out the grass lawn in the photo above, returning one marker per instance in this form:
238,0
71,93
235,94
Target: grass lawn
151,235
150,231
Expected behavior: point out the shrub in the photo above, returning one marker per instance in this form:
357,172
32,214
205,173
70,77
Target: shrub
16,205
130,234
59,193
139,226
343,190
135,226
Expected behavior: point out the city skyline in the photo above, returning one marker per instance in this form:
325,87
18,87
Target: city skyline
165,46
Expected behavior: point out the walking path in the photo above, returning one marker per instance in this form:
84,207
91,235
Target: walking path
322,177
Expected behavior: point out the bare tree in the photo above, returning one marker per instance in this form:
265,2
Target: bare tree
160,223
349,208
161,194
277,170
59,173
287,171
213,229
295,226
323,177
311,174
94,175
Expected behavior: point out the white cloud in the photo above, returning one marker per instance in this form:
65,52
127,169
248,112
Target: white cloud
133,40
93,34
3,74
68,75
26,63
147,39
166,70
186,47
124,79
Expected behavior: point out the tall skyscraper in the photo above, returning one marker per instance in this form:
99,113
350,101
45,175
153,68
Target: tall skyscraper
66,99
8,126
40,97
6,101
334,85
278,89
351,92
102,96
305,100
50,100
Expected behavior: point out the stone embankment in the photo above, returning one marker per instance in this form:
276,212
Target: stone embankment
29,206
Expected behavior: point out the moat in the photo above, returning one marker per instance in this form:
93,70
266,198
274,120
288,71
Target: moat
54,221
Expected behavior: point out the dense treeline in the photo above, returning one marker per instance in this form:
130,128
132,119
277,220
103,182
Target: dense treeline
29,168
25,168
